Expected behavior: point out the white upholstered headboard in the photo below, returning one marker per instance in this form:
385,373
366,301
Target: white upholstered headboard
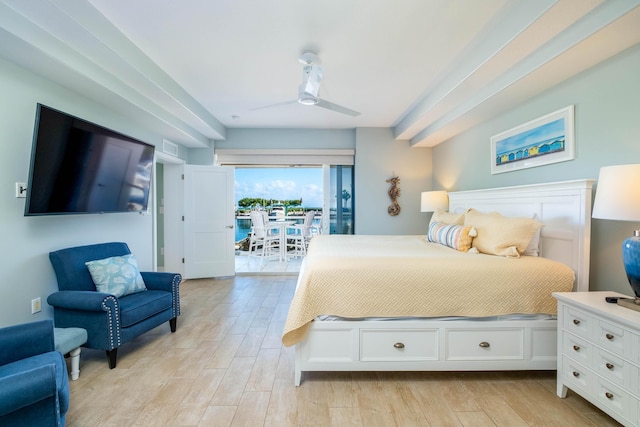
563,207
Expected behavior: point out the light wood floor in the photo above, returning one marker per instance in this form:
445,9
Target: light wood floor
226,366
256,265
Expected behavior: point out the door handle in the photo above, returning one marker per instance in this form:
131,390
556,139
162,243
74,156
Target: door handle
229,226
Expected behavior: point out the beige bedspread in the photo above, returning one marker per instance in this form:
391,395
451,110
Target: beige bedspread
406,276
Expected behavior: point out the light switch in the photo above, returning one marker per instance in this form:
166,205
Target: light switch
21,189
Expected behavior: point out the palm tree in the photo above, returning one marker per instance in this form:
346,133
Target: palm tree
345,197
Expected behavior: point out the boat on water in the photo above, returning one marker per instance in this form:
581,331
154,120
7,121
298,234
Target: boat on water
278,211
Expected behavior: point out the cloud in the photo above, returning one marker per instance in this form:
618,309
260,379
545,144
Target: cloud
285,185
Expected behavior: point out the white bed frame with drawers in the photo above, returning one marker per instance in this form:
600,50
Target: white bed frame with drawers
467,345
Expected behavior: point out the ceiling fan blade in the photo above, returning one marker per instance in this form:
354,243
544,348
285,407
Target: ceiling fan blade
337,108
312,76
277,104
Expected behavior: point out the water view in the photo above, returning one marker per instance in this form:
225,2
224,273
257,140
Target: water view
289,192
283,192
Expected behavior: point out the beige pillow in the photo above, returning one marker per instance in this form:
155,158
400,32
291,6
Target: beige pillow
445,217
501,235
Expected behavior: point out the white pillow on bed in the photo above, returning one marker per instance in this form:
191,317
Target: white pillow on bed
501,235
534,245
446,217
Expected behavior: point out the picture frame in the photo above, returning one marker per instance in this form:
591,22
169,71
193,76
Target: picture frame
542,141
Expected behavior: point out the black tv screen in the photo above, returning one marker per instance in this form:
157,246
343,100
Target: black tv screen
78,167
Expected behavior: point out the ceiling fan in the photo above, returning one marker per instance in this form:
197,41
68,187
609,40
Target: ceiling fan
308,91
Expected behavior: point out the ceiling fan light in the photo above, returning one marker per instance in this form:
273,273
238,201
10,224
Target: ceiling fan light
306,99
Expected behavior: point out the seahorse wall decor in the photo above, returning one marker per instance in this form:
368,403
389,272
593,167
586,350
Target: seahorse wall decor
394,193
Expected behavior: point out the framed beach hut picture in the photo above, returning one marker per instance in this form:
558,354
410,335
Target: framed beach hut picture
545,140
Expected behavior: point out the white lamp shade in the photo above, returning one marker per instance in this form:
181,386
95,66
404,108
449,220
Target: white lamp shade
618,193
431,201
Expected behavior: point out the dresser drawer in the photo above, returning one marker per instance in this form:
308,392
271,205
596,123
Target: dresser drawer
577,322
398,345
506,344
613,368
614,339
577,376
635,379
576,348
619,403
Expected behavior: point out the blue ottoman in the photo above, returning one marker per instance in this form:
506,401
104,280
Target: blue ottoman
69,340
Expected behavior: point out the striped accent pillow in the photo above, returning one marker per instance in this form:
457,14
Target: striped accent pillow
454,236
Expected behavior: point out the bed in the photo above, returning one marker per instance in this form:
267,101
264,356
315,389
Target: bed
378,317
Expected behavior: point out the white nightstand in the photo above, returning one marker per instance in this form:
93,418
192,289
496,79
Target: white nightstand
598,353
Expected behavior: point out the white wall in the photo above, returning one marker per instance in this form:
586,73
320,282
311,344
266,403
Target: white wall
607,124
26,241
379,157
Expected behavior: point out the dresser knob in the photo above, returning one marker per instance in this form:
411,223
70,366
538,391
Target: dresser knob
609,337
484,344
576,348
576,322
609,395
398,345
576,374
609,366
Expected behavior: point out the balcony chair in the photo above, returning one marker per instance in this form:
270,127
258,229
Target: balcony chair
301,234
34,388
110,314
263,242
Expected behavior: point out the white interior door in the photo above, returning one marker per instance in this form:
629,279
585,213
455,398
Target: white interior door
173,207
208,221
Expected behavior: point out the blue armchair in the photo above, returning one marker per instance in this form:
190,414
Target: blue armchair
34,388
110,321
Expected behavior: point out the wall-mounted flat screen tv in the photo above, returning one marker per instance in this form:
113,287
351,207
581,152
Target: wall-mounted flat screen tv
78,167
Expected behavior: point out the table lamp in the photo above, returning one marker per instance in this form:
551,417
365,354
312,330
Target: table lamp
618,198
431,201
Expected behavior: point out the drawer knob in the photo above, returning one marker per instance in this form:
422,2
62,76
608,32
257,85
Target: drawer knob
609,337
576,348
576,322
609,395
398,345
609,366
576,374
484,344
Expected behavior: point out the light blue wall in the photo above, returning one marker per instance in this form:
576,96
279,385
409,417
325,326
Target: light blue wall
607,124
378,158
288,139
26,241
201,156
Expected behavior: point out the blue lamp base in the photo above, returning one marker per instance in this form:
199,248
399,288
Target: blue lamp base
631,261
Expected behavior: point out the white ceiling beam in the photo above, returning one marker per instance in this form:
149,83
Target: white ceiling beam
512,21
591,23
28,57
71,35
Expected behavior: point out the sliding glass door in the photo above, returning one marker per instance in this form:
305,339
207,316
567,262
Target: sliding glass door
328,190
339,188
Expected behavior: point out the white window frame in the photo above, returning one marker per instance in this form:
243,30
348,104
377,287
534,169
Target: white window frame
284,157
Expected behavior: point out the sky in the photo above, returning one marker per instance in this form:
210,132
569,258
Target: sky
280,184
